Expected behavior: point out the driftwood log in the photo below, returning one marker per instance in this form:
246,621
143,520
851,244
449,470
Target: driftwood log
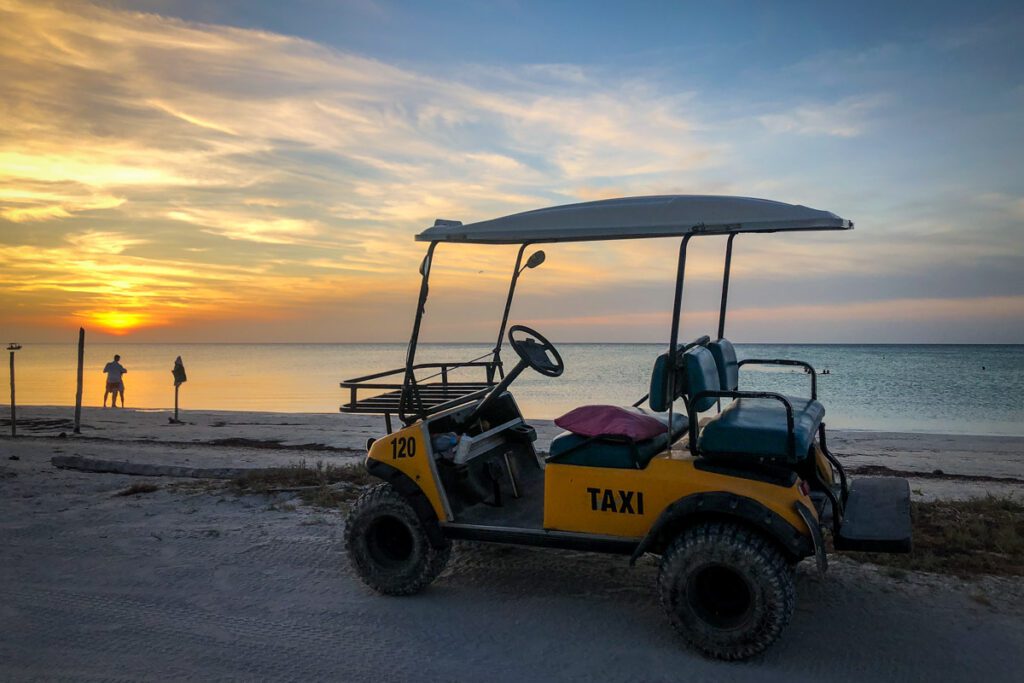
77,462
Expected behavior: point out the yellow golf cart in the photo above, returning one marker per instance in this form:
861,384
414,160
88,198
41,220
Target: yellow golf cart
730,499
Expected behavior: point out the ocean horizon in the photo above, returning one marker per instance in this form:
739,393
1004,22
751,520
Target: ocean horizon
934,388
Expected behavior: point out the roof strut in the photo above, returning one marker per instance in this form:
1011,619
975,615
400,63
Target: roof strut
725,285
410,354
674,337
508,306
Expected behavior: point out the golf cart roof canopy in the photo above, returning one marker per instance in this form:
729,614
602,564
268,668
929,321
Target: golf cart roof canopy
638,217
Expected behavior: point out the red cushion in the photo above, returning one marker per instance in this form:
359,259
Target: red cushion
611,421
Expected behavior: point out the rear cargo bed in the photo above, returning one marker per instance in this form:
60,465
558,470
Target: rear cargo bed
877,516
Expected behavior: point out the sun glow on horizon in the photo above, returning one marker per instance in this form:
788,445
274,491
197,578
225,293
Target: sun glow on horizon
119,322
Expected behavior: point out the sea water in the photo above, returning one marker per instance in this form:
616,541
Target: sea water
976,389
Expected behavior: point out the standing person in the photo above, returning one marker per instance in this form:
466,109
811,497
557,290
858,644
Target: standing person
115,385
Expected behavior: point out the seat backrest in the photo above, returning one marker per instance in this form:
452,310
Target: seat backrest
659,397
701,375
725,359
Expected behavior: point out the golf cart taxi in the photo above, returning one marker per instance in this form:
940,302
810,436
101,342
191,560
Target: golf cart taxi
730,486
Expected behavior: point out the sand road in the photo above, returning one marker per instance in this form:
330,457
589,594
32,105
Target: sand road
181,584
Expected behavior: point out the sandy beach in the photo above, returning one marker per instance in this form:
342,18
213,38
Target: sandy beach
194,582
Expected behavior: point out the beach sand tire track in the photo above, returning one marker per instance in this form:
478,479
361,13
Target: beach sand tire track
388,546
727,589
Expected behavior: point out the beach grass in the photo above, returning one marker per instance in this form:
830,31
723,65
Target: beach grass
138,488
321,485
962,537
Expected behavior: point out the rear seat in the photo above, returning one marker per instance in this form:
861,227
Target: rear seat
748,426
724,354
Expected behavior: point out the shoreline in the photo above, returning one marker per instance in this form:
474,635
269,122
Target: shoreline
5,412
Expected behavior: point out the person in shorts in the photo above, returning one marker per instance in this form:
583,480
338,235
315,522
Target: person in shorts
115,384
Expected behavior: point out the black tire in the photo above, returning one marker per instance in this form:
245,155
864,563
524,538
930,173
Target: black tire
388,546
728,590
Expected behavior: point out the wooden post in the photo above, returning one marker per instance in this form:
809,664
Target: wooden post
14,415
78,392
176,402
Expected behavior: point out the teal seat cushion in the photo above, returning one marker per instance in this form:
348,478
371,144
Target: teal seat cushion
572,449
758,427
725,360
658,397
701,375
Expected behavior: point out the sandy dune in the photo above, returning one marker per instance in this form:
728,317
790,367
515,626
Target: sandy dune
185,583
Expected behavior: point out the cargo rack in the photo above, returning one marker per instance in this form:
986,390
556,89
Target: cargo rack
413,399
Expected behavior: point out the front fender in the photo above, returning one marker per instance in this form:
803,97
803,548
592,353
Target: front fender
413,494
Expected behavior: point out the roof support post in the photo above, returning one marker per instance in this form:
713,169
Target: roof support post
725,285
678,303
508,307
410,353
674,336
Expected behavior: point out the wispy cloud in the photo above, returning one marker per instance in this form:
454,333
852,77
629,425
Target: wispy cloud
845,119
241,225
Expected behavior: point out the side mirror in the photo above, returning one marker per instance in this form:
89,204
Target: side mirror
536,258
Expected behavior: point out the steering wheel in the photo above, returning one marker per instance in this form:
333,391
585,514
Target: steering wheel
536,351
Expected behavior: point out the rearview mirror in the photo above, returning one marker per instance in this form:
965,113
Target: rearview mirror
536,258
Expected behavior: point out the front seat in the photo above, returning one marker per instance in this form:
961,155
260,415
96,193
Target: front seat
608,436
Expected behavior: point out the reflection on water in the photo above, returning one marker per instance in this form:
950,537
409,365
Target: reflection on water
948,389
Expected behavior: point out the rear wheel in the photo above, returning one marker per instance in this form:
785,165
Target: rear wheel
727,589
388,546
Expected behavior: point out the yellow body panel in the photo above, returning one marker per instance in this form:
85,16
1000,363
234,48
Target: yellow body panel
823,465
621,502
407,451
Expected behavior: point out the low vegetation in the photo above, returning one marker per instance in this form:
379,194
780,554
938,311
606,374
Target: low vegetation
965,538
138,488
320,485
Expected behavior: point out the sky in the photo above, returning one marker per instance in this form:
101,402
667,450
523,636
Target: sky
177,170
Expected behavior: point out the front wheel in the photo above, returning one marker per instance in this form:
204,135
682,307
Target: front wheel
727,589
388,546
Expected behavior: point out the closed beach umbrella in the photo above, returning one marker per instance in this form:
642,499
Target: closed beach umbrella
179,372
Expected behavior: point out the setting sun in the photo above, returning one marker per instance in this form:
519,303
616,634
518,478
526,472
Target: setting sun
118,322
